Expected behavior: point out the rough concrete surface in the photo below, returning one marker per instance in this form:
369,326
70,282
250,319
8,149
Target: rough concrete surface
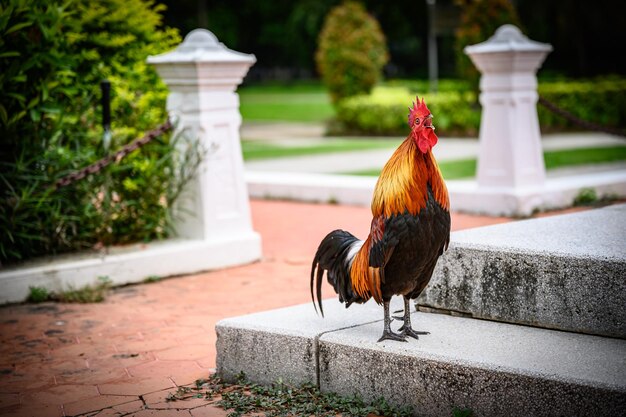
566,272
493,368
283,343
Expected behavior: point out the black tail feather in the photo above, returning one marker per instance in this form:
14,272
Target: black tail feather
320,275
332,257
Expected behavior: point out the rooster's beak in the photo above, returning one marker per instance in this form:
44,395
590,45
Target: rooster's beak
429,117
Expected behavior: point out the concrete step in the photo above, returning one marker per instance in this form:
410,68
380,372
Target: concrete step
494,368
563,272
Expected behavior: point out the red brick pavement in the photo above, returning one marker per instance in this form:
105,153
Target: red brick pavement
124,355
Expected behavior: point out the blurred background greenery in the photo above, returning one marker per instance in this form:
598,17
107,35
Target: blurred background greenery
283,34
353,66
583,75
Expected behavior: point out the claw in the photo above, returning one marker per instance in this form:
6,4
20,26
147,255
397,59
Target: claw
401,329
411,333
389,335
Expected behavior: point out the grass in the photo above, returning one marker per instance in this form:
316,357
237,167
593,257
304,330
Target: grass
262,149
37,294
281,399
586,197
308,101
301,102
463,168
572,157
87,294
451,170
152,279
466,168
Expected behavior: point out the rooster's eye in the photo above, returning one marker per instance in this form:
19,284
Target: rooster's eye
417,121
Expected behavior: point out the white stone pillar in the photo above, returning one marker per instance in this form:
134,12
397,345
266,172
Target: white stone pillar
510,154
202,75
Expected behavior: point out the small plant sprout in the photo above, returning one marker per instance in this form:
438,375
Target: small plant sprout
88,293
586,197
37,294
151,279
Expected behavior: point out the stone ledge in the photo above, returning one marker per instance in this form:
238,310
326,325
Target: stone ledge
564,272
130,264
490,367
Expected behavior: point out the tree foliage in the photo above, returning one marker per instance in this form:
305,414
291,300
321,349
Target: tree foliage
283,33
479,21
351,51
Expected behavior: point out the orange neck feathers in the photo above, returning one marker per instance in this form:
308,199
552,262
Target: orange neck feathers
402,185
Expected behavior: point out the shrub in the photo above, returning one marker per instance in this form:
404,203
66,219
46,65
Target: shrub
416,87
114,40
383,112
53,55
351,51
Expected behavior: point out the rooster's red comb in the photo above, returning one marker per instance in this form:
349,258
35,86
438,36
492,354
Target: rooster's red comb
418,110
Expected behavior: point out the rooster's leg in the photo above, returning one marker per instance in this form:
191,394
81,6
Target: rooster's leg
406,328
387,333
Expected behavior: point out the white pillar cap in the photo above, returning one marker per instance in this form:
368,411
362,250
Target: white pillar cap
201,45
201,60
508,38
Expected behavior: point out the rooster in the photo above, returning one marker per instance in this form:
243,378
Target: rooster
410,229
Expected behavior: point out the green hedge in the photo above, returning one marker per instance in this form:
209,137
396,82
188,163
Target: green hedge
601,101
384,111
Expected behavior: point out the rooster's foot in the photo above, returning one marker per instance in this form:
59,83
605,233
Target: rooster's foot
389,335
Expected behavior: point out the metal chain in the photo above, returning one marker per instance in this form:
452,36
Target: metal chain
115,157
582,123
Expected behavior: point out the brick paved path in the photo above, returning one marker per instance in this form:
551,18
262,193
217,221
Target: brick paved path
126,354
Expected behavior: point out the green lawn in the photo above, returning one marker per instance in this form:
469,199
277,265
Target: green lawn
451,170
466,168
304,101
309,102
263,150
557,159
301,102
